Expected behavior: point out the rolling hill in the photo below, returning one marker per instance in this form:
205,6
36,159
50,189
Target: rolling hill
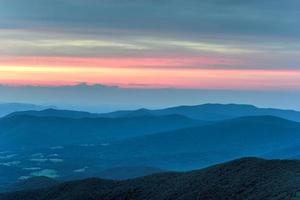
55,113
172,142
32,131
212,112
205,112
173,150
7,108
253,134
196,147
247,178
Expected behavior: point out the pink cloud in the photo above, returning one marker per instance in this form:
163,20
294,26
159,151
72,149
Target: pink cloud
152,62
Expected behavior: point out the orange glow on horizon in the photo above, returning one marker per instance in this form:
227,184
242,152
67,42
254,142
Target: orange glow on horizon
142,72
133,77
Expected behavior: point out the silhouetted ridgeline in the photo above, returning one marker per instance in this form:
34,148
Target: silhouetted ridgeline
247,178
205,112
212,112
33,183
7,108
55,113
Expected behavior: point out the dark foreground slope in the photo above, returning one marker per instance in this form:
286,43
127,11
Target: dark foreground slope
33,183
123,173
248,178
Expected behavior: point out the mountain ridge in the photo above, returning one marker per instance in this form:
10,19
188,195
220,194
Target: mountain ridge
215,112
246,178
220,141
50,112
20,128
204,112
7,108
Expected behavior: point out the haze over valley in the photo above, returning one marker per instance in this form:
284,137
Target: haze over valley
133,143
149,100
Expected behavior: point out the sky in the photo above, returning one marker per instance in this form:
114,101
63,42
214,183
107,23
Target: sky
210,45
102,98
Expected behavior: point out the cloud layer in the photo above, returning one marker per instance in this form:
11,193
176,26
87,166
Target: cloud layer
212,44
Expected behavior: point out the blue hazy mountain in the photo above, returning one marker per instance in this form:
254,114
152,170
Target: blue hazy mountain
55,113
249,133
73,148
64,144
205,112
247,178
7,108
216,142
212,112
290,152
33,131
126,113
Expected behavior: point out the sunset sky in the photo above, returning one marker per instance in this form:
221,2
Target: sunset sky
151,44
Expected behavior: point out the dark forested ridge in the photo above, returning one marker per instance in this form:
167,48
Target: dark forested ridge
123,173
247,178
33,183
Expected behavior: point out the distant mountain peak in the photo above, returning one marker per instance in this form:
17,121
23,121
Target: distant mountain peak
7,108
51,112
211,112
